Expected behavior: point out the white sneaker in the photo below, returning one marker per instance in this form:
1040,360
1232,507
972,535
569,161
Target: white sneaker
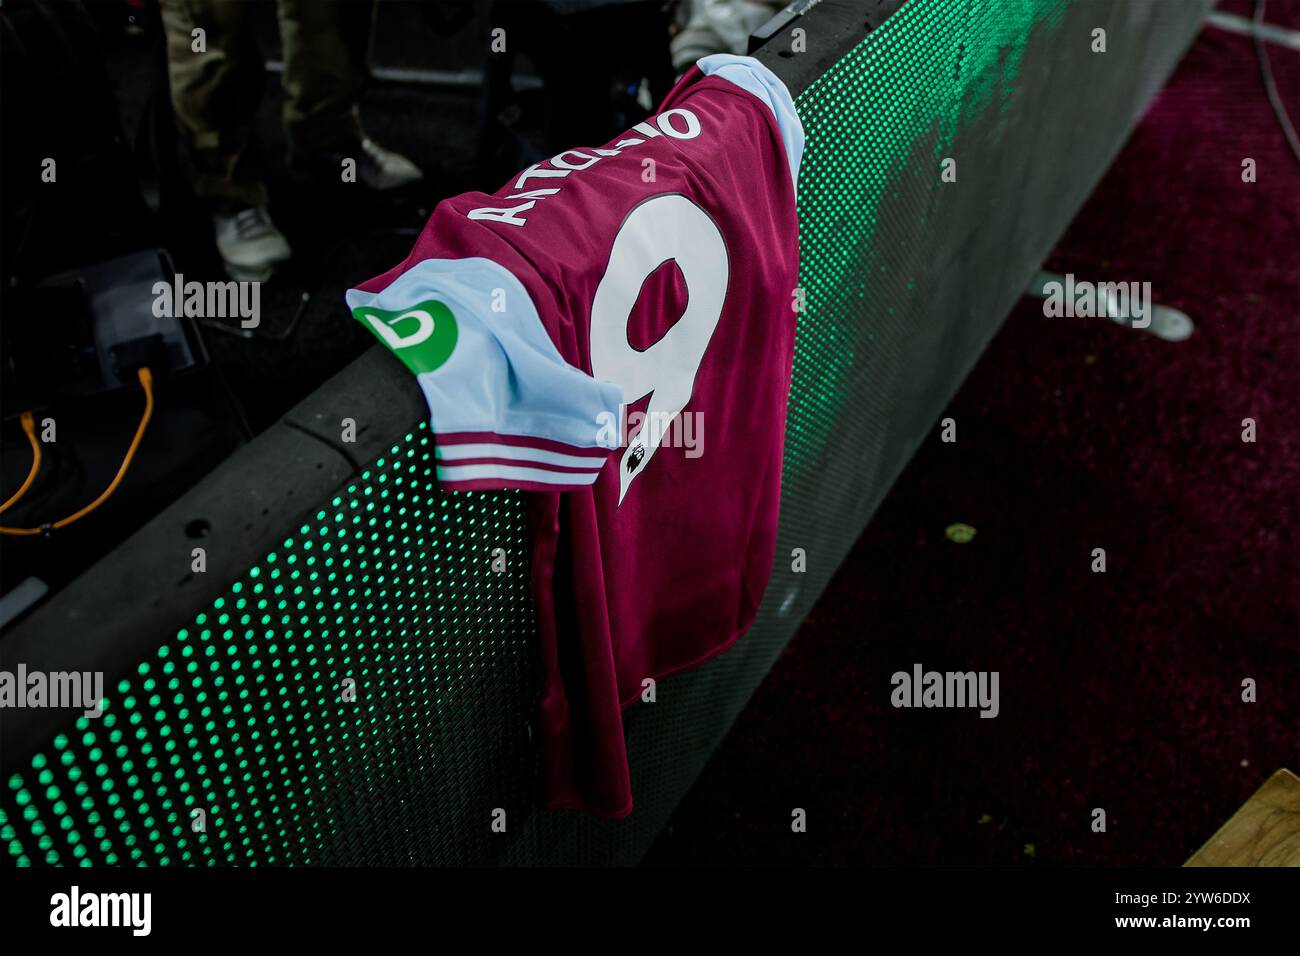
383,169
250,245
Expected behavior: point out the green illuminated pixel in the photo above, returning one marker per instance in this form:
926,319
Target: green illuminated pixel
244,714
878,122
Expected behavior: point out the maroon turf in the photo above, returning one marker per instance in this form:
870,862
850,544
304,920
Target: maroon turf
1121,690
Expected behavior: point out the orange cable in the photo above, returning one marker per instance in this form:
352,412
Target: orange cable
29,426
146,382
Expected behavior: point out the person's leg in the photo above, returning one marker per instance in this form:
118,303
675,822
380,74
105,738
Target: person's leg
216,81
324,72
324,69
216,76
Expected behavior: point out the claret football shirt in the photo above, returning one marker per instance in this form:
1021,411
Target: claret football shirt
613,331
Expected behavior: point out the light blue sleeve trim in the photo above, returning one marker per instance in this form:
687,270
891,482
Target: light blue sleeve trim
504,374
747,73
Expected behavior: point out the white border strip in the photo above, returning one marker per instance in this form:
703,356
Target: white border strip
511,473
451,453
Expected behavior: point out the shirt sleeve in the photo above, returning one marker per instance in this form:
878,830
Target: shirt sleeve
753,77
506,409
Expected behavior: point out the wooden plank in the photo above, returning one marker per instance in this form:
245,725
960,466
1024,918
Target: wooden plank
1264,832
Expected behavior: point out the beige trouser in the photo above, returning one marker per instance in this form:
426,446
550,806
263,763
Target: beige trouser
215,91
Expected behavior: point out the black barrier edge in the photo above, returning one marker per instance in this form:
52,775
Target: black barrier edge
377,392
831,27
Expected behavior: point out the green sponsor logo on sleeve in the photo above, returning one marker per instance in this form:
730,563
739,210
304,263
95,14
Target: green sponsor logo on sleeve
423,336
